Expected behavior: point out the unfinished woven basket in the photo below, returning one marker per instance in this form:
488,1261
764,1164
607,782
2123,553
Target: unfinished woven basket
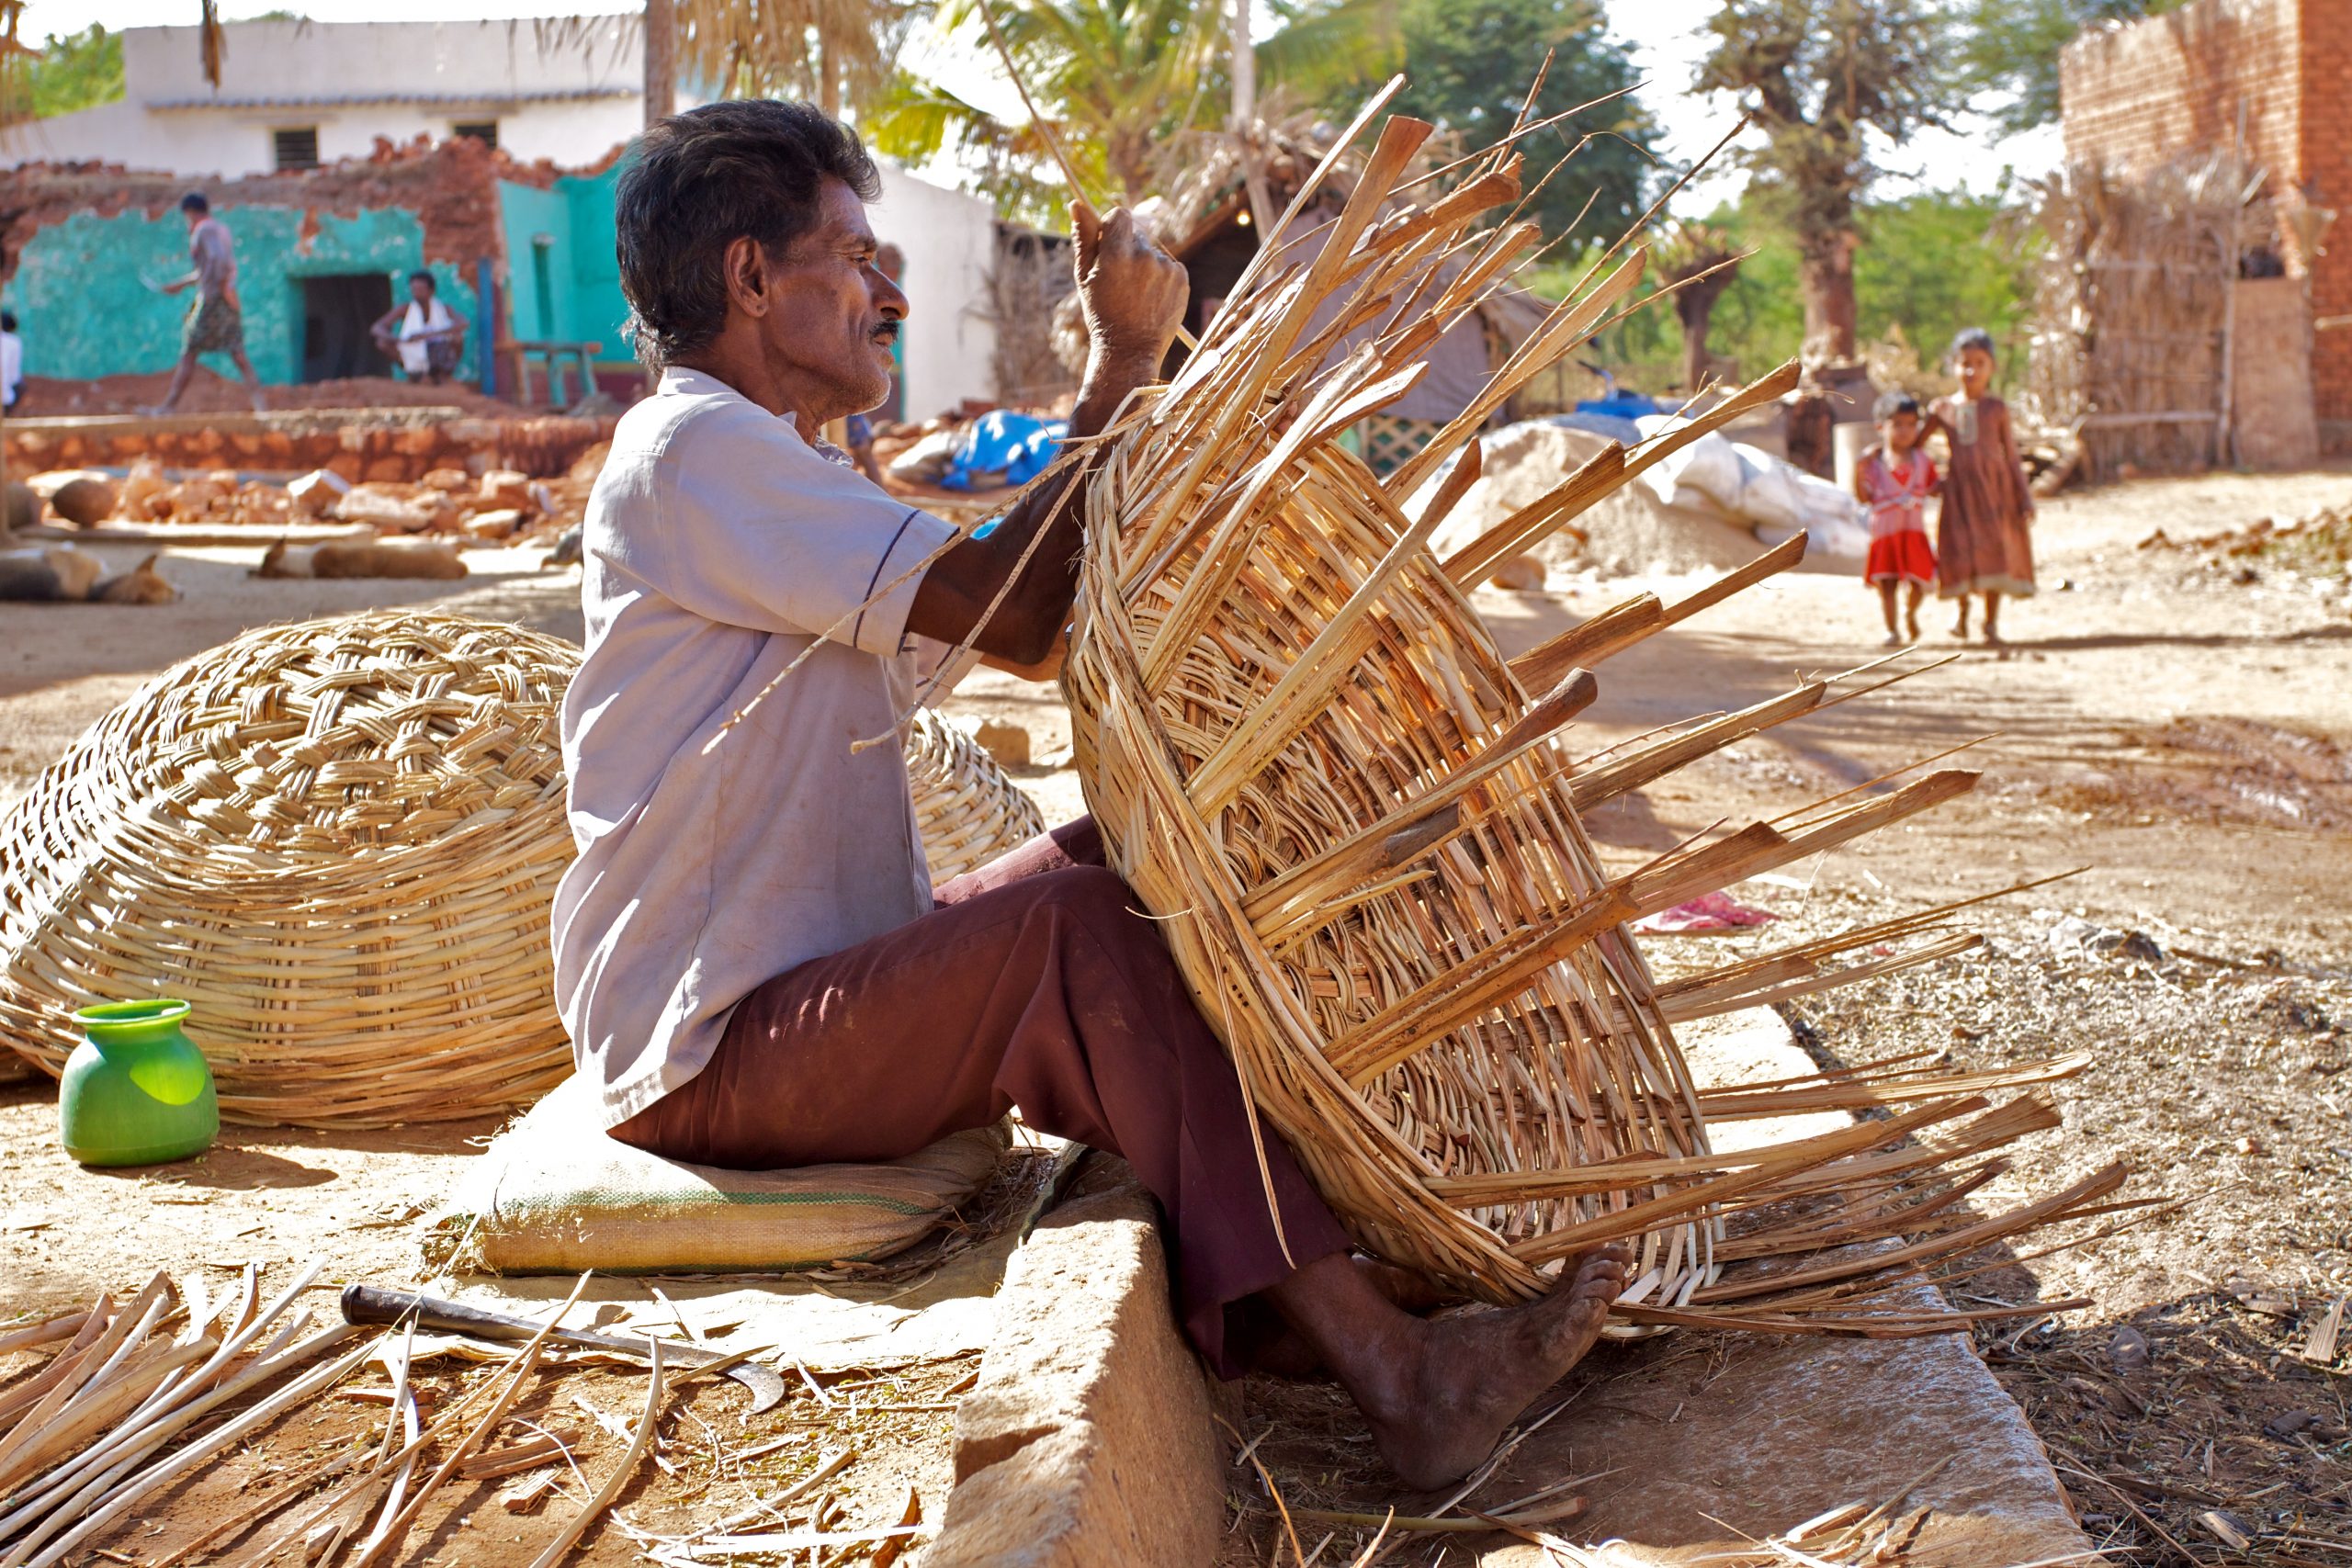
338,840
1362,834
967,810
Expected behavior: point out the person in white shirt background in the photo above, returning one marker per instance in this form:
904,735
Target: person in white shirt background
12,362
424,334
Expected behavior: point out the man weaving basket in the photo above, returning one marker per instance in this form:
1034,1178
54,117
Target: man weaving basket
748,952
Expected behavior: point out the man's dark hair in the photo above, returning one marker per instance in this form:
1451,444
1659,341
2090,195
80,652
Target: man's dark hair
8,320
1893,403
194,202
426,278
701,180
1973,337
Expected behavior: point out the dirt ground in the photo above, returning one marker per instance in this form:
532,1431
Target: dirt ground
2182,736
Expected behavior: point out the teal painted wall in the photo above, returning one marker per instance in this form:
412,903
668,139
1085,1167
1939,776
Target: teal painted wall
83,311
581,299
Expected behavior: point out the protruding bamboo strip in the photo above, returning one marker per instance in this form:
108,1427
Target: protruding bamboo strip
1457,297
1600,475
1689,1006
1263,733
1597,476
1458,995
1624,1175
1736,1102
1622,626
1595,786
1759,848
1638,1217
1382,845
1590,642
2089,1190
1312,186
1457,483
1569,323
1690,873
1780,558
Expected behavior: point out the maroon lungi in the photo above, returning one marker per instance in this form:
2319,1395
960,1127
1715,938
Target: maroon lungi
1037,983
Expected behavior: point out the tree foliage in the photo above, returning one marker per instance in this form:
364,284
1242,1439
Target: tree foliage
1821,78
1115,81
1925,266
1469,65
2010,50
828,52
74,70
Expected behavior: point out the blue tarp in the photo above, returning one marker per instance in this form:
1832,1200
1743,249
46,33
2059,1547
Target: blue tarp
1003,449
1621,405
1617,428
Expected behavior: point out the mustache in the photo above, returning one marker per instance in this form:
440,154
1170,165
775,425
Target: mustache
887,332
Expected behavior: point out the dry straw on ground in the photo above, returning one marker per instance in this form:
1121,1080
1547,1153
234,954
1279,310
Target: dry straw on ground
1362,835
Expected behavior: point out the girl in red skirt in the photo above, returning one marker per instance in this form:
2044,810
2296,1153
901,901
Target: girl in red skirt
1894,480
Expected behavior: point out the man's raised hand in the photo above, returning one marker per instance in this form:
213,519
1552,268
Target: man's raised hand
1133,293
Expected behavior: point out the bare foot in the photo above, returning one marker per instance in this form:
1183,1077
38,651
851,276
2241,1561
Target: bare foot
1293,1357
1473,1375
1911,623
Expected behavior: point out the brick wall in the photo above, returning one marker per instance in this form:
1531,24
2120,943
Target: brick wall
2325,174
2188,81
2177,83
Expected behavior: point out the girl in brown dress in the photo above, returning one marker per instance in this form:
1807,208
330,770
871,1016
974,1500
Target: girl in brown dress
1983,542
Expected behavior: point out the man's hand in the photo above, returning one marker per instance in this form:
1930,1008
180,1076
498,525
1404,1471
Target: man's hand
1133,293
1134,296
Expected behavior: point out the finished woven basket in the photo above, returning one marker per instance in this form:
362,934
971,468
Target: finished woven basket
967,810
1361,834
338,840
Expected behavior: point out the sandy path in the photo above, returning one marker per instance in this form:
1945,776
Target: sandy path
2084,770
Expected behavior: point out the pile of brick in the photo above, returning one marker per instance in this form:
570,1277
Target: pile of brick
495,506
386,445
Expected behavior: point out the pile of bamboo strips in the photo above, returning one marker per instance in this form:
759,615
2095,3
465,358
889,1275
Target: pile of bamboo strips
141,1396
1361,832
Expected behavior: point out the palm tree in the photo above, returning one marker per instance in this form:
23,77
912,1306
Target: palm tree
1116,79
830,52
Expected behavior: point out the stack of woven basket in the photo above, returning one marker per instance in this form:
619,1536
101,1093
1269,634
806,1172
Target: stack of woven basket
1361,831
339,841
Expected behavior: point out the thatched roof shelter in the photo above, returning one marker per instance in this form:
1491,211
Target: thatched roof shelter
1213,221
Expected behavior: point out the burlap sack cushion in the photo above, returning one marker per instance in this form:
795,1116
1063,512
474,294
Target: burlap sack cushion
553,1194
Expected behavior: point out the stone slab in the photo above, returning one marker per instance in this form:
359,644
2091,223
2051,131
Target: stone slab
1088,1439
1715,1439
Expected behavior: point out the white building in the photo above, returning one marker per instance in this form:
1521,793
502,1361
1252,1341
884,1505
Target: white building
298,93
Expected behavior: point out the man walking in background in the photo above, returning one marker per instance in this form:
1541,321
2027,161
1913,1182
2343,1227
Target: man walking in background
216,323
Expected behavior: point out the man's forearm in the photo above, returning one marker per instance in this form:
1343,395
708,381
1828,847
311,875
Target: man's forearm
958,589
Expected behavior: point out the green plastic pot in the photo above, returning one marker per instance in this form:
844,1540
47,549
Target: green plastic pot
136,1091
